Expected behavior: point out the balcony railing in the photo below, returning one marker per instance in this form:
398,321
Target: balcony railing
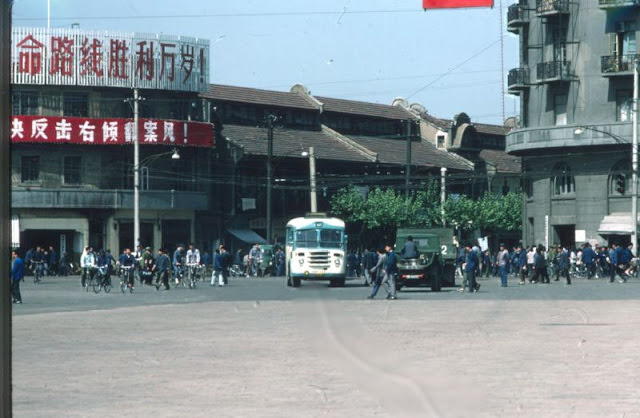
618,64
107,199
516,17
518,79
553,71
551,7
610,4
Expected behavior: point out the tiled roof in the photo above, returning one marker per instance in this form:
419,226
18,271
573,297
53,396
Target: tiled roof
392,151
503,162
257,96
291,143
491,129
443,124
363,108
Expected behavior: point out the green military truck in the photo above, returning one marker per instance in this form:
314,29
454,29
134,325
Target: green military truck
435,265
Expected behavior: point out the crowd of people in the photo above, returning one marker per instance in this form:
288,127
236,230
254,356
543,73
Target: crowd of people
537,264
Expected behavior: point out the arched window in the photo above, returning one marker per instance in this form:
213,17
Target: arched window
620,178
563,182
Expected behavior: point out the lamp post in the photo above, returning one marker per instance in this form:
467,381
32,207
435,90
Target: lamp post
634,159
443,192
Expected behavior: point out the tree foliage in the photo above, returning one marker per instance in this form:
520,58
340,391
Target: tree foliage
381,211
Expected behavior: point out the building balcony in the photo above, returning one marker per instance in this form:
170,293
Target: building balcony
552,71
610,4
534,139
517,17
107,199
612,65
552,7
517,80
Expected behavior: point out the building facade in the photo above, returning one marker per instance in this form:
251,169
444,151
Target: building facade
575,83
73,130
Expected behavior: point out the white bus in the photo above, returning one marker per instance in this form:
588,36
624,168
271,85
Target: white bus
315,249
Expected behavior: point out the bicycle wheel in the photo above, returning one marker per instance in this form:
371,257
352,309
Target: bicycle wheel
97,285
107,285
123,284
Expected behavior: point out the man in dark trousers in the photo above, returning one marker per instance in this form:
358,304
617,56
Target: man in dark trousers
470,266
391,267
161,268
17,274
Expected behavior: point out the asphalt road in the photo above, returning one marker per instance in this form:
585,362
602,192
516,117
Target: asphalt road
258,348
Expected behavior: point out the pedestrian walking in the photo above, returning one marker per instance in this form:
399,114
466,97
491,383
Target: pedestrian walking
161,268
503,263
470,266
17,274
378,273
367,265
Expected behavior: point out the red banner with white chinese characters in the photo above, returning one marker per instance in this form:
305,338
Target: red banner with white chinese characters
110,131
453,4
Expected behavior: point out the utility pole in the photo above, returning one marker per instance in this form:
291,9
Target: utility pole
407,169
136,171
270,120
634,161
312,180
5,207
443,192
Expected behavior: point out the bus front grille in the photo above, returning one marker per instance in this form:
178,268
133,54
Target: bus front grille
318,259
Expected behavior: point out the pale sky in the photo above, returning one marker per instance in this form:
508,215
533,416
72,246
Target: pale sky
449,61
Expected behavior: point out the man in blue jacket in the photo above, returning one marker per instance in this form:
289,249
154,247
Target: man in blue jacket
391,267
17,274
589,259
470,266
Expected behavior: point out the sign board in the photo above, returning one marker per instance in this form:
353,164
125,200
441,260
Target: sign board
63,56
109,131
581,235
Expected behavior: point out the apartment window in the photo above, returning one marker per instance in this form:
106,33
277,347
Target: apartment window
25,103
560,109
75,104
623,105
563,182
72,170
440,141
30,168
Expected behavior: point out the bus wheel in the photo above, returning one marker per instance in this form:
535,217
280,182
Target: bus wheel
295,281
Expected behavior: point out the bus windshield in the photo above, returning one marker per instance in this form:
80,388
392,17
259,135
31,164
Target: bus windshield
319,238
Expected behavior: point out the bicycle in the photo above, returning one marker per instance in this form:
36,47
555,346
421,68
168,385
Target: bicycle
179,276
103,281
193,274
38,271
126,278
91,278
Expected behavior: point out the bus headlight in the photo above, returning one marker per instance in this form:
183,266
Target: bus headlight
301,261
337,262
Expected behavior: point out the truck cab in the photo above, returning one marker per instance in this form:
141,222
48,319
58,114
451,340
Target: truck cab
433,265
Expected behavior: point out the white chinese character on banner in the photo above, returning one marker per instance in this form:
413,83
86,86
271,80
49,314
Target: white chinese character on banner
38,127
168,132
150,131
110,131
129,132
63,130
17,130
87,131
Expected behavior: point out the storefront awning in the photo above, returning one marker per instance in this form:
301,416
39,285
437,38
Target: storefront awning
247,235
615,224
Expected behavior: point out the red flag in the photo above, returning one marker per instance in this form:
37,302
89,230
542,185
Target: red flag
452,4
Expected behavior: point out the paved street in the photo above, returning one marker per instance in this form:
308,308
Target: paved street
258,348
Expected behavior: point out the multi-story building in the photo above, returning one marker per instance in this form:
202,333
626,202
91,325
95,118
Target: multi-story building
72,133
575,83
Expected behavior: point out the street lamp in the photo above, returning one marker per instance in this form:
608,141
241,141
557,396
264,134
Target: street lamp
136,176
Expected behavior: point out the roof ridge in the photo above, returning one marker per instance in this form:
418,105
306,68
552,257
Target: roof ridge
373,156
